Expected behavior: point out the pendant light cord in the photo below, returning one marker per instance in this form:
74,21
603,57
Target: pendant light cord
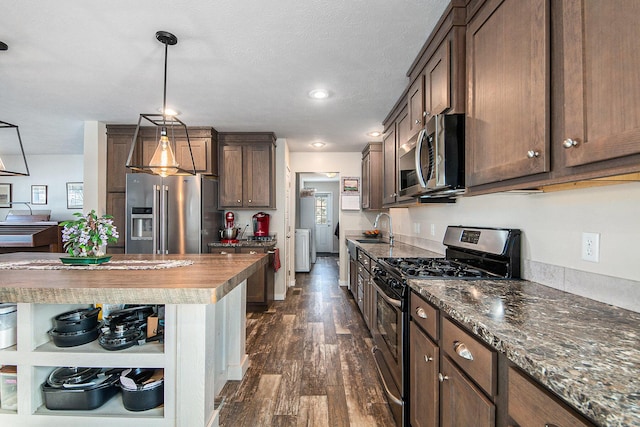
164,99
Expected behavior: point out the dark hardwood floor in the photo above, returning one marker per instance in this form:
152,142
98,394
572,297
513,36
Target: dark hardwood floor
310,361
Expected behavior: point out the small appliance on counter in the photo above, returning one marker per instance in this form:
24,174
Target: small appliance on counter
8,324
261,224
230,232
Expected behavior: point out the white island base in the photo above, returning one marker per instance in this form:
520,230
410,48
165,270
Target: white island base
204,347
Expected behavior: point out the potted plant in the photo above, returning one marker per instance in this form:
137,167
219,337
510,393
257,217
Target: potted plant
87,236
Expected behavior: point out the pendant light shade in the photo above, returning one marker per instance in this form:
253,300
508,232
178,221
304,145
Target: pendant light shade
12,159
163,161
167,129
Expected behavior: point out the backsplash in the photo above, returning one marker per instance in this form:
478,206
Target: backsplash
552,225
622,293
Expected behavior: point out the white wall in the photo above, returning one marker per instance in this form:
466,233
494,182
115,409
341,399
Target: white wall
552,225
346,164
95,167
54,171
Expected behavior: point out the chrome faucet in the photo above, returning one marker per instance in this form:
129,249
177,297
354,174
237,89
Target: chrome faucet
375,225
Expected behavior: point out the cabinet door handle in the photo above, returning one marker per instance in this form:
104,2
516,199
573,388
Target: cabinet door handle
249,200
533,154
421,313
568,143
462,350
252,252
427,358
418,121
239,200
550,425
223,253
442,378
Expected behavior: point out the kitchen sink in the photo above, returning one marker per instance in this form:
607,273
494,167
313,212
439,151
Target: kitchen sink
371,241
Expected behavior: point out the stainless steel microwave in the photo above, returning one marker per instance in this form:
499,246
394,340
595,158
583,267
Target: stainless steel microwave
432,164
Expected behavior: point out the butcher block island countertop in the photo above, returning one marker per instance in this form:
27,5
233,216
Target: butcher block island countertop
208,279
204,298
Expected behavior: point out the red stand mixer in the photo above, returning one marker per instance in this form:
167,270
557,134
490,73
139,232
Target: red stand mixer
230,233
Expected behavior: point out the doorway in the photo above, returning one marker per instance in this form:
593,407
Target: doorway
323,213
320,220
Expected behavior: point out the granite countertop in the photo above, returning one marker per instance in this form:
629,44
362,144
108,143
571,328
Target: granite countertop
244,244
584,351
398,250
207,279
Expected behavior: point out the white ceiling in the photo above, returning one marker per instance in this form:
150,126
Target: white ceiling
239,65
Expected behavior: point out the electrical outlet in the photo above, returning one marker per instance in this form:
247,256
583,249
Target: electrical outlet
433,229
591,247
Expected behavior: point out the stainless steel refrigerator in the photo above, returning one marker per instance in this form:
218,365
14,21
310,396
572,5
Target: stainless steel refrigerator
172,215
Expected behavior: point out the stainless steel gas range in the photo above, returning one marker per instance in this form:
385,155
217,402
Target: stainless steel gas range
472,253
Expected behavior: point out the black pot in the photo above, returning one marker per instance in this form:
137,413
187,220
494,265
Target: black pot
72,339
72,376
131,315
82,319
144,396
80,397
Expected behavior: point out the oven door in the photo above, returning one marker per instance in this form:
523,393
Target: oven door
388,339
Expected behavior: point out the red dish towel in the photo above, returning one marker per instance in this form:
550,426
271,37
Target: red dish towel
276,259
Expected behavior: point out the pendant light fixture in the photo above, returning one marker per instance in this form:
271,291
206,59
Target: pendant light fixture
10,142
167,128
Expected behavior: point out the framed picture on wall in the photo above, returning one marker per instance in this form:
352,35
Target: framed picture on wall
350,193
75,195
38,194
5,195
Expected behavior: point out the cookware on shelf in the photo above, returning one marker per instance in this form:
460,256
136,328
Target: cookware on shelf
122,337
137,314
72,339
74,388
142,389
81,319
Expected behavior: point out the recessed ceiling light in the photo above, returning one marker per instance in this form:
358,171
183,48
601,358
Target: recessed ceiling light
374,134
319,94
318,144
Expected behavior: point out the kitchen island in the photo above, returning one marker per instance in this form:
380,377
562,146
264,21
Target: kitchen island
204,344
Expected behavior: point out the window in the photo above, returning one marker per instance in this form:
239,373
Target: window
321,208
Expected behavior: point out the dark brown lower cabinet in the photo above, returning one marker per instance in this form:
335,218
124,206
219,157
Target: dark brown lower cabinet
353,278
529,405
462,403
260,285
424,361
